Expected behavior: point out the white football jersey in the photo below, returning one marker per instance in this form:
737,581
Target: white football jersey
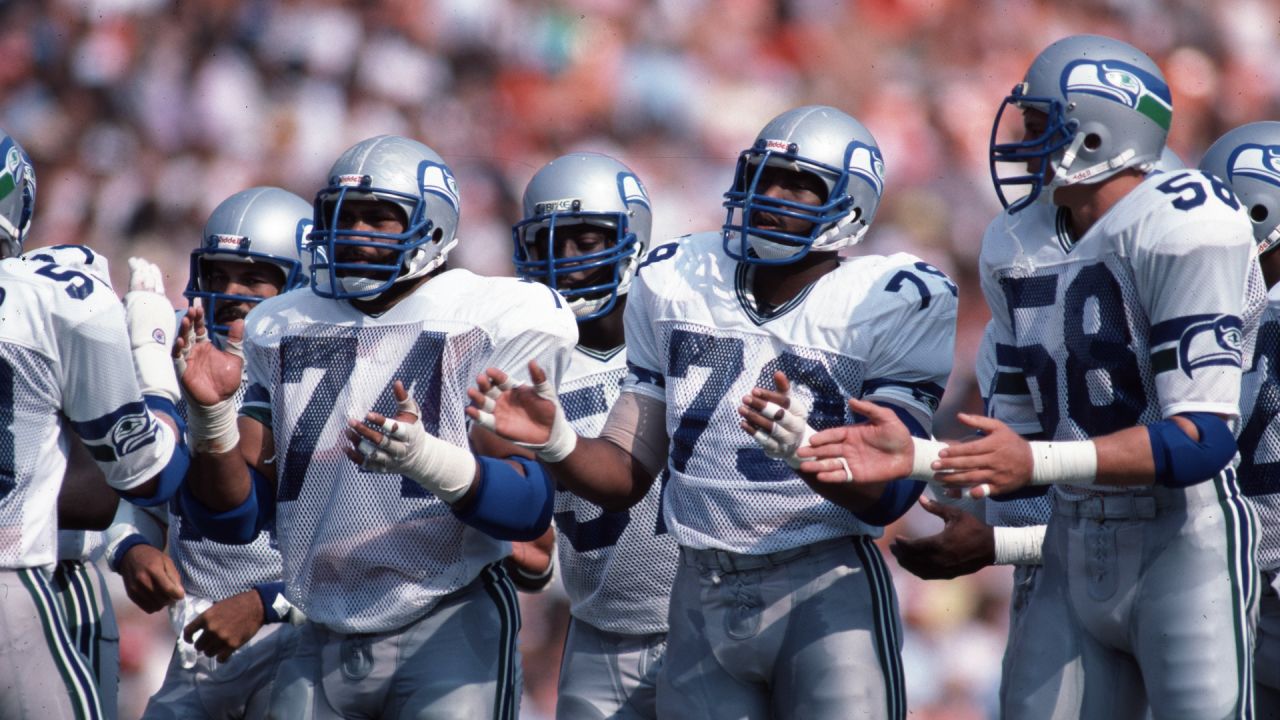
1259,440
215,571
875,327
64,357
365,551
618,567
1147,315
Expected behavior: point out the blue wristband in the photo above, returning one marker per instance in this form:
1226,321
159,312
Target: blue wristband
125,545
1180,461
509,505
269,593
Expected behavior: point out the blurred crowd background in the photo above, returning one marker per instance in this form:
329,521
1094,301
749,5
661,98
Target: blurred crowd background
142,115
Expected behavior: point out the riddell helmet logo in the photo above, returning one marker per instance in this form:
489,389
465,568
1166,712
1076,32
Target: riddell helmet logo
777,145
227,242
554,206
350,180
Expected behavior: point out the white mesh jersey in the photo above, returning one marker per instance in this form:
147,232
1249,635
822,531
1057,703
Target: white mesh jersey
1259,440
213,570
875,327
618,567
64,357
1016,511
1146,316
364,551
82,545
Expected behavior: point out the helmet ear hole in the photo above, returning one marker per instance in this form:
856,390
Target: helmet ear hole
1258,213
437,234
1092,141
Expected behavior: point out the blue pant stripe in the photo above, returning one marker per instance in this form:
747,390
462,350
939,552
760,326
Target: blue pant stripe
885,627
82,690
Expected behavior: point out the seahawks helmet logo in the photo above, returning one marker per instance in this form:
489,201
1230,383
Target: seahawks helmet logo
15,169
632,190
1123,83
438,179
1258,162
866,162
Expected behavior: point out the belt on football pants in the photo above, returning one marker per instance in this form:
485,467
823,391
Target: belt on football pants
729,562
1107,507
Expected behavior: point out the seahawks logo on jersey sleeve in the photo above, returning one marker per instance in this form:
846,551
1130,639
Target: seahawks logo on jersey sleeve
119,433
1197,341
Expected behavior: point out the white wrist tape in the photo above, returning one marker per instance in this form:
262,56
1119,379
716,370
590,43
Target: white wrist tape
1019,545
212,428
133,520
924,456
1074,462
563,438
444,469
788,434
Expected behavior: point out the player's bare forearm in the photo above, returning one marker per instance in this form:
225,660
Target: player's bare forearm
220,481
1125,457
600,471
85,500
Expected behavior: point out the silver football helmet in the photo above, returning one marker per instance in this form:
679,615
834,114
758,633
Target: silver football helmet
821,141
389,169
17,196
1108,107
583,189
258,225
1248,160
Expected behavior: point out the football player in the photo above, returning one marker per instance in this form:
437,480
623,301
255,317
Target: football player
782,606
1130,329
1245,159
228,598
584,231
65,367
354,433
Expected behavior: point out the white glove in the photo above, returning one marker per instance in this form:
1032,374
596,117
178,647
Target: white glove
407,449
789,433
210,428
151,322
562,439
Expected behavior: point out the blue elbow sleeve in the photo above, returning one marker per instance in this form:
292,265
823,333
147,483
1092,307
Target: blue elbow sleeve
175,471
899,495
1182,462
239,525
509,505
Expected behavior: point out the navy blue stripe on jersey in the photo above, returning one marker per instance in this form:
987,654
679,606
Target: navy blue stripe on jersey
1007,383
100,427
926,392
885,635
646,376
1008,356
256,394
81,689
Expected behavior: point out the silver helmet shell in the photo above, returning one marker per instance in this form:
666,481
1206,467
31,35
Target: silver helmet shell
820,141
17,196
389,169
583,189
1108,108
1248,160
258,225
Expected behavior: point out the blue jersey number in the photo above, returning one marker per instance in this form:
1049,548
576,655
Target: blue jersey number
1099,359
906,276
336,357
722,356
1257,477
1189,192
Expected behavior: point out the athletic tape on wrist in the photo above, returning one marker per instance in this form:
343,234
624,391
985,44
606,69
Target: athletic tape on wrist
563,438
1019,545
1073,462
212,428
925,454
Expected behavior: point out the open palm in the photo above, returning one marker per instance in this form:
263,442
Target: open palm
210,375
515,412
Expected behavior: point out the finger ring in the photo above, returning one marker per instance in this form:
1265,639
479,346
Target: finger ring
981,491
366,448
848,474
